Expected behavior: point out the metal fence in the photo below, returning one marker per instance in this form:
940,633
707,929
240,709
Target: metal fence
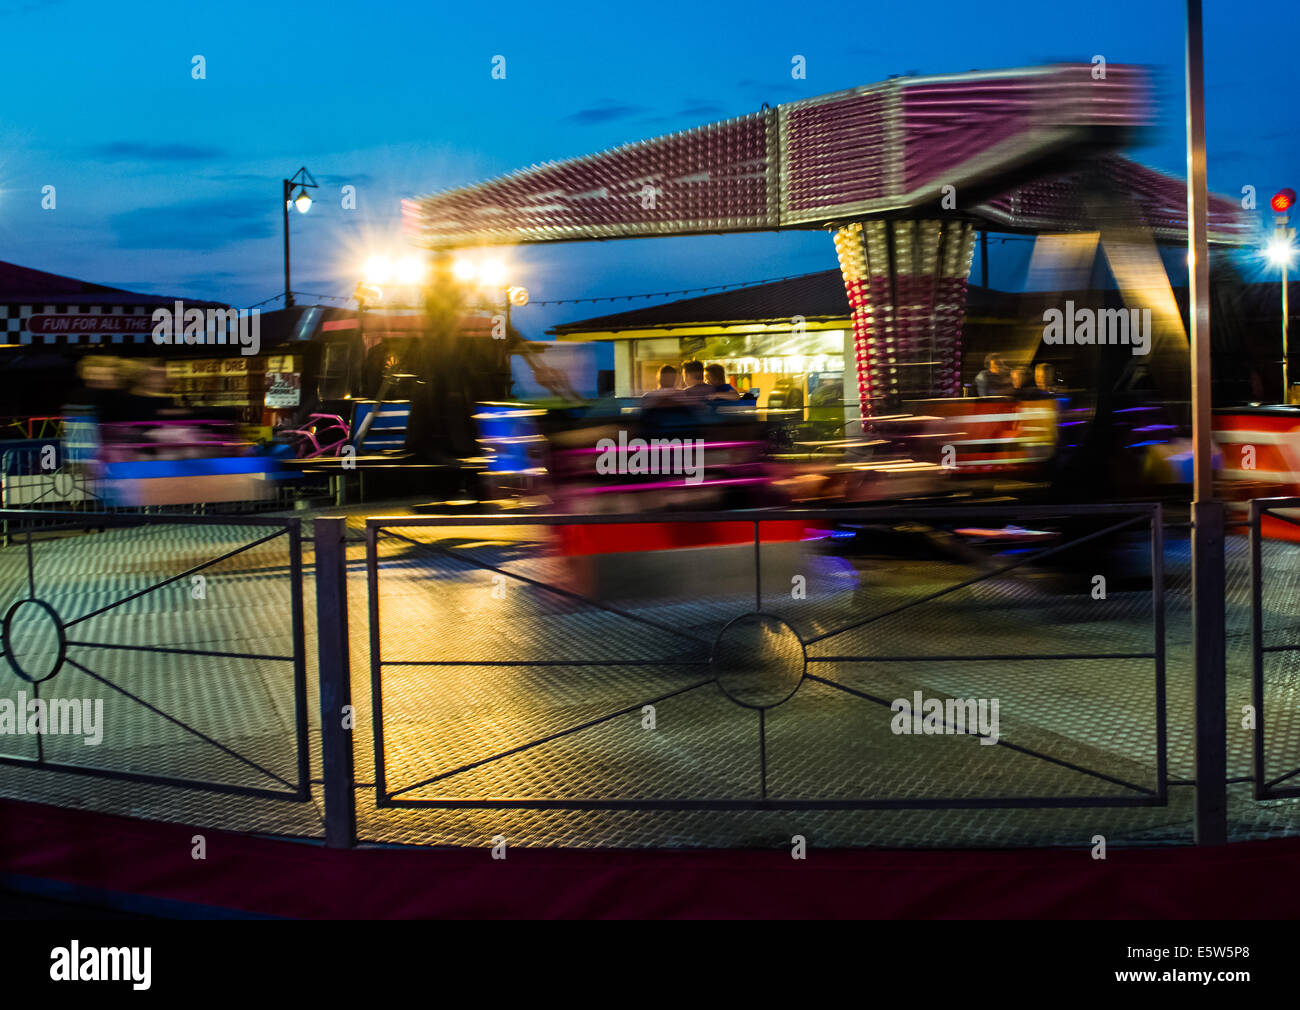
135,611
515,678
56,474
35,473
1273,645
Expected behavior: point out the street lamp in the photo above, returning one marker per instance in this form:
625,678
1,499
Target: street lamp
301,202
1279,253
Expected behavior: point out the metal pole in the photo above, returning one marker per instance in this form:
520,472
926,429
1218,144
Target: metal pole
1207,513
284,206
1286,329
335,682
1257,646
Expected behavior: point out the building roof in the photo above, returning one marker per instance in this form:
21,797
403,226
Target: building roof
815,296
820,296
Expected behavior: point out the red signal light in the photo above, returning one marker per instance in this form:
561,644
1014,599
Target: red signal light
1283,200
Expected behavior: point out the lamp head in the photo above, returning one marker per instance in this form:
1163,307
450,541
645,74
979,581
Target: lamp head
368,294
1279,251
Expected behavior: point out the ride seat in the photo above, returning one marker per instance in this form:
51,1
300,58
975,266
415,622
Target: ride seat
387,432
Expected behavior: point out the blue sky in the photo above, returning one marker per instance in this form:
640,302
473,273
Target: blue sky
169,184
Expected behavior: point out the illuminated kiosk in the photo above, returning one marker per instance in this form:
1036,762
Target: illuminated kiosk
904,173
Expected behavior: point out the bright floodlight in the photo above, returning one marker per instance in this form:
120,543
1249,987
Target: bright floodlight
1279,251
463,269
302,201
492,273
410,270
378,270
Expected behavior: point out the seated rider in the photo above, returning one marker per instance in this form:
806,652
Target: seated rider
722,390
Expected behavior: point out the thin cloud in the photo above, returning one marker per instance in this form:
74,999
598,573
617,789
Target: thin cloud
700,109
606,112
135,150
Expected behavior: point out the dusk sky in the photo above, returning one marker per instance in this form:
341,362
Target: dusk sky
170,185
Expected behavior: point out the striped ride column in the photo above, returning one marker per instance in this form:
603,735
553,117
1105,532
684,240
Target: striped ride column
863,251
906,284
957,250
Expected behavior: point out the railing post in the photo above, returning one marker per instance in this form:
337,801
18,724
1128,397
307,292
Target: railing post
1208,601
335,682
1158,645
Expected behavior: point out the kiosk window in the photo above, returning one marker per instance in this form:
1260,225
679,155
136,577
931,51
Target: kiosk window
335,381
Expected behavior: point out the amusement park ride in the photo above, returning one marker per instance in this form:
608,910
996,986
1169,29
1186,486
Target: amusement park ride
904,174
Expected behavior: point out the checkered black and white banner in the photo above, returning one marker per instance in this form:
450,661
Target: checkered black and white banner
81,324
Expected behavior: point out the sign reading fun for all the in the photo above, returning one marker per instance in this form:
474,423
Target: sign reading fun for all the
88,324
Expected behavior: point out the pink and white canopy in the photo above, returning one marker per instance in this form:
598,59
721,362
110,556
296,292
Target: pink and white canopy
999,138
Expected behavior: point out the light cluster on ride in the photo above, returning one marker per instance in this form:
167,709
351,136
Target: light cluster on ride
490,275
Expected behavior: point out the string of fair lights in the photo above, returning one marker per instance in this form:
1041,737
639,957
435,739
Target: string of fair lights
380,266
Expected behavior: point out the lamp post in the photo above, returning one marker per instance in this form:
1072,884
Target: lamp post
367,292
1279,252
302,203
384,279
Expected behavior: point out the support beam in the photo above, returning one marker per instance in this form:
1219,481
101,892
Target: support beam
1207,512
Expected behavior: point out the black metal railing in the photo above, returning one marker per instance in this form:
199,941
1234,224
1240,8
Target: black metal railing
722,661
1267,786
34,532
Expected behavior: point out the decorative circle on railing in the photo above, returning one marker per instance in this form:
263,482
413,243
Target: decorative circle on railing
36,637
758,660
